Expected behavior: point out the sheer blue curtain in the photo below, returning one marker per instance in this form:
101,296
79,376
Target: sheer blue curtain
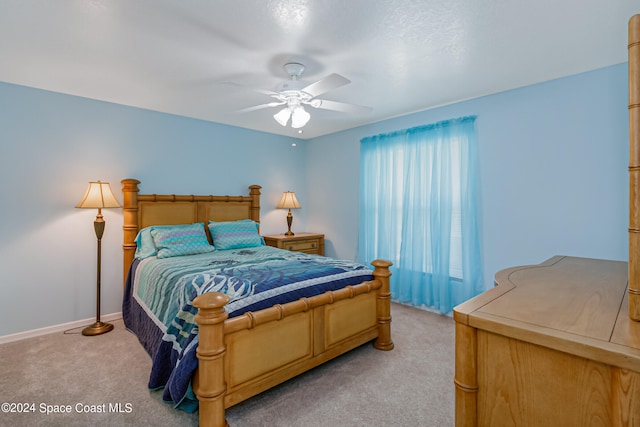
419,209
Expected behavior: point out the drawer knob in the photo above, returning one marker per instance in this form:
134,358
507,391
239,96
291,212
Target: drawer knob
290,248
313,245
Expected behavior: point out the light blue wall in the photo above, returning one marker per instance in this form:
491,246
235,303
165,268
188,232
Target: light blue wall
53,144
553,161
553,165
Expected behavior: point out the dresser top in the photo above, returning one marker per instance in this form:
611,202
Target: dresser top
576,305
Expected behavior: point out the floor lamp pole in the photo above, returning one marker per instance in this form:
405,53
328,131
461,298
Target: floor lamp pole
98,327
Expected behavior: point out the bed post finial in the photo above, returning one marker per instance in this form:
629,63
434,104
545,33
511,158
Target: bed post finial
209,382
130,222
382,273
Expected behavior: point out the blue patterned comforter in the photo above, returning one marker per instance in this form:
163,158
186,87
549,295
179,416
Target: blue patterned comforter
158,301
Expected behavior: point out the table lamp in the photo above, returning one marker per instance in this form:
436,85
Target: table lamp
288,201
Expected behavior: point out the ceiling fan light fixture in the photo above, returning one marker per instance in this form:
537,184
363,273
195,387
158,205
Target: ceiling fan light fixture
299,118
282,116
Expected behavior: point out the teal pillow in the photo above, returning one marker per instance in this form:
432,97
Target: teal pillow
144,244
235,234
178,240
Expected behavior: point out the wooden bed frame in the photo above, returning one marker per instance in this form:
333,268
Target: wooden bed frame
248,354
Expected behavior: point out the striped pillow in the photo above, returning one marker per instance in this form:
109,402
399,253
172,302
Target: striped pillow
181,240
235,234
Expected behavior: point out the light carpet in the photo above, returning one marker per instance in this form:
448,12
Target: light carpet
412,385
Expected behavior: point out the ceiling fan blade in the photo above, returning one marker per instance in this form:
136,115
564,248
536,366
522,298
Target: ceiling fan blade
264,91
260,107
332,81
339,106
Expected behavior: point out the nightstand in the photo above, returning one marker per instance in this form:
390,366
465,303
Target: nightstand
310,243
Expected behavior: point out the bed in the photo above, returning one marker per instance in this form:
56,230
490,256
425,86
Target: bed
235,353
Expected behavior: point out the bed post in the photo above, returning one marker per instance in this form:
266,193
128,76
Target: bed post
130,222
634,168
254,192
209,384
382,273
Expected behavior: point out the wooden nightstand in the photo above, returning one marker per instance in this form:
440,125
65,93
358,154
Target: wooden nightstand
310,243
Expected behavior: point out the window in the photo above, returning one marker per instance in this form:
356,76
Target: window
418,209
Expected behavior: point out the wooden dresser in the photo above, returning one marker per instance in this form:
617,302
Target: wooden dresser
310,243
551,345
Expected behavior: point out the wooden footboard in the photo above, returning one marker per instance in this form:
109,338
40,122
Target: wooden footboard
243,356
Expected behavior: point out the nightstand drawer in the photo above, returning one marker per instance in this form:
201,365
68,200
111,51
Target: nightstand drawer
310,246
310,243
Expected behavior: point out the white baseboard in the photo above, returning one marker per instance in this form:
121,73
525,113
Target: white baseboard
57,328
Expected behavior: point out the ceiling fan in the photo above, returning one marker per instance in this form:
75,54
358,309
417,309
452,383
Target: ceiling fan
295,94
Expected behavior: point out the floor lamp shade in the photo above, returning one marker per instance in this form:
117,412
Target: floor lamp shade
98,196
289,201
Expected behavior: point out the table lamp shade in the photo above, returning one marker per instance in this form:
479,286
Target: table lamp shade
288,201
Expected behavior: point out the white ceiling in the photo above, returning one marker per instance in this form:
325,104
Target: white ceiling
401,56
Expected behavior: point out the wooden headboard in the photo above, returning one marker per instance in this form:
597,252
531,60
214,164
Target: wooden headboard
144,210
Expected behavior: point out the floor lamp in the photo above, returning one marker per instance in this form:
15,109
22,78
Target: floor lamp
98,196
